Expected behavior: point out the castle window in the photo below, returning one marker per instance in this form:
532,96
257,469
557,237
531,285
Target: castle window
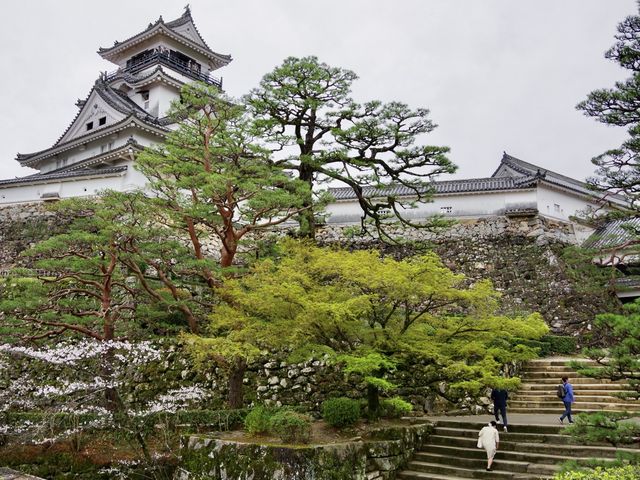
89,126
446,209
102,121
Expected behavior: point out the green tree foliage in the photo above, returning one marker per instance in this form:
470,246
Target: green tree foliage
370,313
82,288
305,107
628,472
618,170
620,361
210,179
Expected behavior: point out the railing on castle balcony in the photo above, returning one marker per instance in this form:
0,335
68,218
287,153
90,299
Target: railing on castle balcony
163,58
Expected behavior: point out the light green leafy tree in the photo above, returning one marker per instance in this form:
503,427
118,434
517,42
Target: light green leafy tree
305,108
370,313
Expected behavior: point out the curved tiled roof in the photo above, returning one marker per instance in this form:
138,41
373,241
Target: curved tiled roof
112,97
553,178
168,28
28,159
614,234
47,177
440,187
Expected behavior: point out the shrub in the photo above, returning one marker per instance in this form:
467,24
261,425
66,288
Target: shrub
560,344
395,407
629,472
341,412
291,427
258,420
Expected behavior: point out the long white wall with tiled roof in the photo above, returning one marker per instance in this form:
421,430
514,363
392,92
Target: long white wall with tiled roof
80,186
466,205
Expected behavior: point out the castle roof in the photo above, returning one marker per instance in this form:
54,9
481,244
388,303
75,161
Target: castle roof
132,115
511,174
182,30
64,175
615,233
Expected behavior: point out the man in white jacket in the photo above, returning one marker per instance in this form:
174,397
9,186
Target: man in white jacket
488,438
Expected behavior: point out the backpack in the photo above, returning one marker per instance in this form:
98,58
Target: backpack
561,391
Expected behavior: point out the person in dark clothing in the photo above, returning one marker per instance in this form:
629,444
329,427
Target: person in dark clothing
500,397
567,399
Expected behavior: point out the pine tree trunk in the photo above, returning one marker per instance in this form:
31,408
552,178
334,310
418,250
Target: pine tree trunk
236,376
373,401
307,220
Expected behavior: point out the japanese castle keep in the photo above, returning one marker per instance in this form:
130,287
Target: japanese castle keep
125,111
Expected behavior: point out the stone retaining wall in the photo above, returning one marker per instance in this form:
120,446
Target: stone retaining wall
521,255
377,458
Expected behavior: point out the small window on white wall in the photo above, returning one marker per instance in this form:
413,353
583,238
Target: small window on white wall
446,209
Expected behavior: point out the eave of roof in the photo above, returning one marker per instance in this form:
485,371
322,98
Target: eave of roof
130,121
39,178
446,187
613,234
554,178
157,74
161,27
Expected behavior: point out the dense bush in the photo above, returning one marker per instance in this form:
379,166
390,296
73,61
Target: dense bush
291,427
258,420
559,344
395,407
553,345
341,412
629,472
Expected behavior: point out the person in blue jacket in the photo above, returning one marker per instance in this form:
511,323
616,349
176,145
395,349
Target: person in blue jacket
568,399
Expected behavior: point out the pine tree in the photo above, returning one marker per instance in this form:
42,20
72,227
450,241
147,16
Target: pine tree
306,109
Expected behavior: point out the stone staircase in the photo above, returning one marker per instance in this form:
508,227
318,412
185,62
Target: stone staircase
527,452
534,447
540,378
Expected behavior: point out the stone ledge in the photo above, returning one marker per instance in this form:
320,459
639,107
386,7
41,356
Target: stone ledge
368,459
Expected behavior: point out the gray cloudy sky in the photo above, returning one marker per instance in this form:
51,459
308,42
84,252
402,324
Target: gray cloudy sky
496,74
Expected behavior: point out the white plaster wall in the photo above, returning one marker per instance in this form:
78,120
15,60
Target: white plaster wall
78,187
560,205
162,95
458,206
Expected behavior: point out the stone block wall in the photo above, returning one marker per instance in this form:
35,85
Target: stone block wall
521,255
377,458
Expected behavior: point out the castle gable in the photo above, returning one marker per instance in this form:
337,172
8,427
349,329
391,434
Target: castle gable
95,114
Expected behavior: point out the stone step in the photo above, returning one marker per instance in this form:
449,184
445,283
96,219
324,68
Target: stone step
548,374
614,387
553,380
411,475
590,398
557,362
515,428
558,410
554,449
473,452
450,470
512,434
614,403
473,462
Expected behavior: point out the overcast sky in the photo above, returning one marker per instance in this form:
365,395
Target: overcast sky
496,74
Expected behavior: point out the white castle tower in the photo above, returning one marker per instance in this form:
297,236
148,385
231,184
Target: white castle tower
124,111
